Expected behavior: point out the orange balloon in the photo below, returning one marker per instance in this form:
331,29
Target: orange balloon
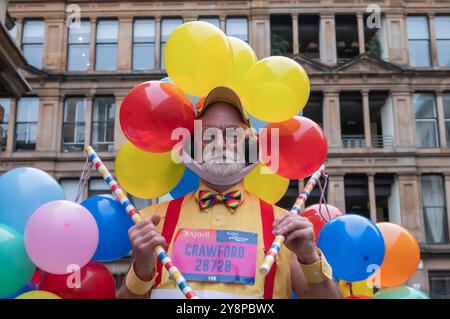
401,257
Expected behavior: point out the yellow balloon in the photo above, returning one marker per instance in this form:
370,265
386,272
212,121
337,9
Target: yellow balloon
198,57
144,174
275,89
358,288
265,184
38,294
243,59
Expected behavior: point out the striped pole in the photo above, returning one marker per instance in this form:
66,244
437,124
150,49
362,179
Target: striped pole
298,207
134,214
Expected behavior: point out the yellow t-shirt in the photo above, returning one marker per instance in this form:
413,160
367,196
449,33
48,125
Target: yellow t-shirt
245,218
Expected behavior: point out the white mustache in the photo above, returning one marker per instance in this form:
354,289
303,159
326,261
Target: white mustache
225,156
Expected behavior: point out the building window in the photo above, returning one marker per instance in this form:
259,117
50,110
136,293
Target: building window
314,198
372,36
139,203
70,188
308,32
352,119
280,34
119,279
167,26
97,186
418,41
447,117
439,284
5,109
215,21
290,195
106,45
434,210
237,27
26,124
386,197
443,39
381,119
144,44
74,124
78,51
314,108
103,123
346,37
33,42
356,189
426,120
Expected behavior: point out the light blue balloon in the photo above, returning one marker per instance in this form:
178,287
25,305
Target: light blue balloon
193,99
166,79
401,292
353,246
188,183
113,223
257,124
22,191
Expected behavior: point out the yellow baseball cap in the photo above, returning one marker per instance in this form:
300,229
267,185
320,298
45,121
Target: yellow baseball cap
222,94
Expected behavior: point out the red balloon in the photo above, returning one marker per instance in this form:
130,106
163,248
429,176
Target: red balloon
95,282
151,111
302,147
320,218
36,276
359,297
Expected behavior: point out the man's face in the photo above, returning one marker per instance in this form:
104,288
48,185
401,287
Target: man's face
223,135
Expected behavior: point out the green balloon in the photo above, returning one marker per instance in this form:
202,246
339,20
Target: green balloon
16,269
401,292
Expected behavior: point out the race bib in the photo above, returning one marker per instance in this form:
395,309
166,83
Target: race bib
216,255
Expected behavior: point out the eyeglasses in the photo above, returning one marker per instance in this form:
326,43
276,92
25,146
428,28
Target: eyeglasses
233,134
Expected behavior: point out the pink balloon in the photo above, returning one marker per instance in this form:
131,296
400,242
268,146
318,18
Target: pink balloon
61,234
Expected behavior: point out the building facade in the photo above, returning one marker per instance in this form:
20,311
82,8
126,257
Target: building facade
12,83
380,82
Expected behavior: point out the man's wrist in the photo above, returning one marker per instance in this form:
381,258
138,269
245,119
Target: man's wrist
316,271
308,259
142,271
136,285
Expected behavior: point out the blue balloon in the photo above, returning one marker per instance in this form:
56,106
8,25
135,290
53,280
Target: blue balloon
22,191
257,124
194,99
353,246
188,183
113,223
30,286
166,79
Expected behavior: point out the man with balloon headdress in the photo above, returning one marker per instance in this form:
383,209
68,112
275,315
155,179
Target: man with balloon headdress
218,234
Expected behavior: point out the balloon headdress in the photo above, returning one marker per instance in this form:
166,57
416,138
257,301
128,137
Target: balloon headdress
203,66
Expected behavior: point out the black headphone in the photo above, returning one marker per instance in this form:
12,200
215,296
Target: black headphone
251,149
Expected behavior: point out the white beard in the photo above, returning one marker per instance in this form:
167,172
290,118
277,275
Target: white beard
222,164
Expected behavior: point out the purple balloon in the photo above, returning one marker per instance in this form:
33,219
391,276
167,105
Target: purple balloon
60,236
